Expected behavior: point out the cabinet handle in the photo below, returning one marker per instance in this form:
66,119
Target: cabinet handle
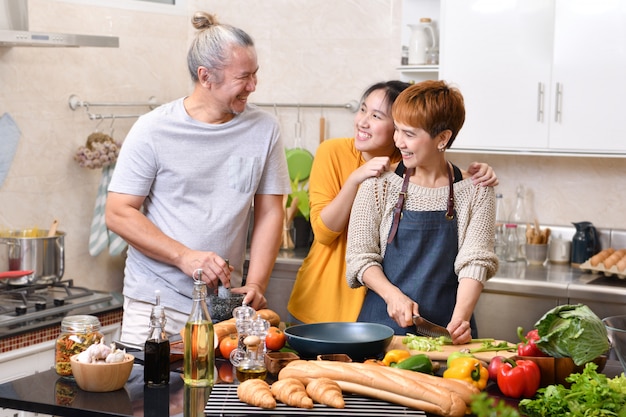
558,96
540,91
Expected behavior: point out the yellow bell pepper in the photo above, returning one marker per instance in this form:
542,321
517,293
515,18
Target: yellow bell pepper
470,370
395,356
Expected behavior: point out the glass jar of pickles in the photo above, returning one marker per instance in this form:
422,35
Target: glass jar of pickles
77,334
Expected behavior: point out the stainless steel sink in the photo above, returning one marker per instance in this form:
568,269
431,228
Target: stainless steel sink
612,281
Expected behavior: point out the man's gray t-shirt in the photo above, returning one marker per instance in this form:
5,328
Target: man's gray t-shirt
199,181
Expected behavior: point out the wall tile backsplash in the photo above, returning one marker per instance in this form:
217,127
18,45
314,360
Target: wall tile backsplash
323,51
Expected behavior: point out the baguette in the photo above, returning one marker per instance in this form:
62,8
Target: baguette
464,389
378,382
392,397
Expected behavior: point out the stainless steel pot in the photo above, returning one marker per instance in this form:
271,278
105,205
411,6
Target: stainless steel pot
45,256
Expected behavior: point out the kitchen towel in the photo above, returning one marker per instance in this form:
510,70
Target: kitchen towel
9,136
101,236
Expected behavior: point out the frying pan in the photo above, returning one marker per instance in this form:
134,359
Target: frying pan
299,160
360,341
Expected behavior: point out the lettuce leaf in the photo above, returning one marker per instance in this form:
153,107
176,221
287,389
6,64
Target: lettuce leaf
572,331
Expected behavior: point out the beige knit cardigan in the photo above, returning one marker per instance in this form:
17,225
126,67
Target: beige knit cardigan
371,218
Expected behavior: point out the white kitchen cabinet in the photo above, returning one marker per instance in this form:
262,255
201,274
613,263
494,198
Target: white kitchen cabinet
537,75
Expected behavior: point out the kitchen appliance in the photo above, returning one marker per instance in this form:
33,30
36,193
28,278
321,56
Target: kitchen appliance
585,242
44,255
24,308
14,31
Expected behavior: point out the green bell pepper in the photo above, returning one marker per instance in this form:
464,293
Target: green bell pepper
418,363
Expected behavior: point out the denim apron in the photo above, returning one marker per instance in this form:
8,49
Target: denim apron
420,262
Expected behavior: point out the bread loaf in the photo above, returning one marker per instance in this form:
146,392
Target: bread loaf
399,386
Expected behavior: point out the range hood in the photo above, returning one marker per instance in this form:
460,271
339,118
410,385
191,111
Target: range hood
14,31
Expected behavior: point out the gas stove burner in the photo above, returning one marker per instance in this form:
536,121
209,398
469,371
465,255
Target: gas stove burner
37,305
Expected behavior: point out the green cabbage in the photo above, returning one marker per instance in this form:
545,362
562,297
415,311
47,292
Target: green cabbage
572,331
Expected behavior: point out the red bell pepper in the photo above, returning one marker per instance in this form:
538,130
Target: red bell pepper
519,378
528,346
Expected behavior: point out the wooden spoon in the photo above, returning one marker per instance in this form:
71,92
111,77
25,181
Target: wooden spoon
322,129
52,232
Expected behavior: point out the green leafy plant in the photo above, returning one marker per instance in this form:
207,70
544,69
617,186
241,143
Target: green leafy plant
485,406
590,394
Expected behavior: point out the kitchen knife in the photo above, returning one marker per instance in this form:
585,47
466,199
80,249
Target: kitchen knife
427,328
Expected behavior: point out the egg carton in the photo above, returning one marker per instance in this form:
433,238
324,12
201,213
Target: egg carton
600,268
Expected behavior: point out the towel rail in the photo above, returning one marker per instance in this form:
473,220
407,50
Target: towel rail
353,105
75,102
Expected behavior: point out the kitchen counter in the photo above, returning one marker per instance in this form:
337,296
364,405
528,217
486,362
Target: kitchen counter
518,295
48,393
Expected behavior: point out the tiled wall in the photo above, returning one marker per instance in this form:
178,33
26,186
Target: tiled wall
323,51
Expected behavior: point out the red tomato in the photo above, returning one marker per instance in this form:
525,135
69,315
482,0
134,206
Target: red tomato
225,372
275,339
228,344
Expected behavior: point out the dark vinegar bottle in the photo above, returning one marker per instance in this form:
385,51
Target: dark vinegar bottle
157,350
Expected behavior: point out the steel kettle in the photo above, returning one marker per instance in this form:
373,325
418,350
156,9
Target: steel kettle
585,242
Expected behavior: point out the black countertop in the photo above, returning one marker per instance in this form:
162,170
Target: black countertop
48,393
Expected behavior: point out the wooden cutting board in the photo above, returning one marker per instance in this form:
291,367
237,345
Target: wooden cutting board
446,350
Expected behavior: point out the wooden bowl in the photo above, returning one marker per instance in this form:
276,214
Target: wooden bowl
555,370
275,361
338,357
102,377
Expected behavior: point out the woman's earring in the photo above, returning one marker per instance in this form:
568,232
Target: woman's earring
442,148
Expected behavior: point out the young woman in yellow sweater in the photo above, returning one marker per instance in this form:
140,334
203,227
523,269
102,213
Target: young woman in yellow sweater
320,292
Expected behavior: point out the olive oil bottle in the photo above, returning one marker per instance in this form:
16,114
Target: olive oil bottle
199,357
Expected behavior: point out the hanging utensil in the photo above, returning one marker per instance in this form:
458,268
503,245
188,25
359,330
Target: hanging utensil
322,127
290,213
299,160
